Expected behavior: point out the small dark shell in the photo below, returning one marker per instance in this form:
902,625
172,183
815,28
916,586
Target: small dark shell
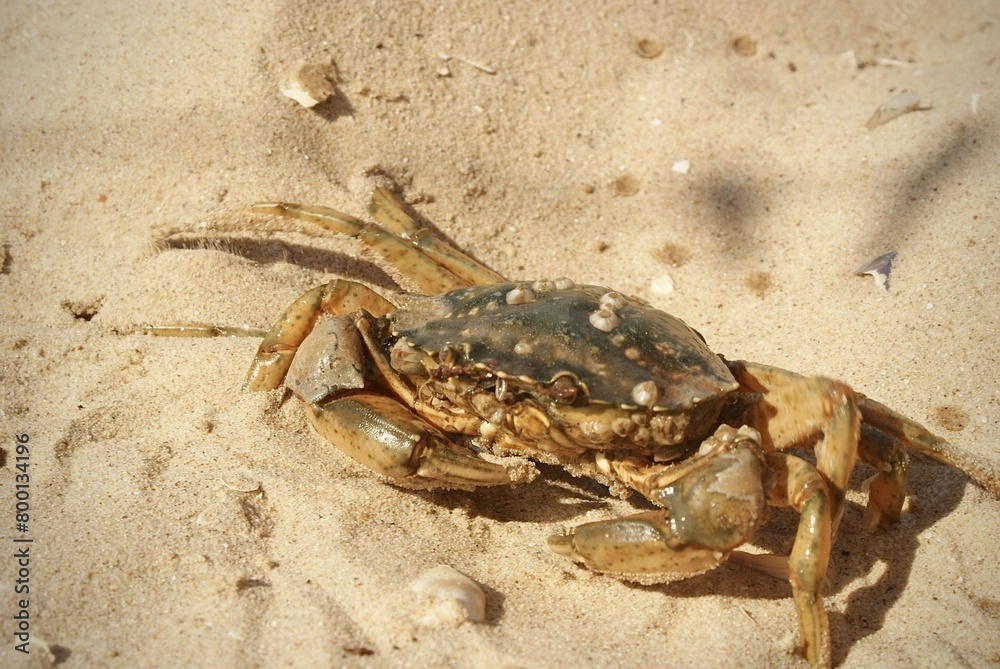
555,335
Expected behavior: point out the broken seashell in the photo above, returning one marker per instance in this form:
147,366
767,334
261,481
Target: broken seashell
899,104
879,269
449,598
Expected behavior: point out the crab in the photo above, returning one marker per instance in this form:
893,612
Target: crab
469,382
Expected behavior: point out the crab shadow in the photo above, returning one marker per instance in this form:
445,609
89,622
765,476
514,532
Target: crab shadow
273,251
334,107
558,498
554,497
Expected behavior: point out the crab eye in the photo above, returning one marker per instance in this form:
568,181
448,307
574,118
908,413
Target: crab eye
563,390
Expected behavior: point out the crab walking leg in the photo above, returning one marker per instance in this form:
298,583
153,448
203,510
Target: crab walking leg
200,331
382,434
275,353
715,504
330,219
387,211
795,409
885,436
887,489
917,437
428,275
799,485
434,266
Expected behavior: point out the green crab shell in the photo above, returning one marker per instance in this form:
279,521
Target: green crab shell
619,351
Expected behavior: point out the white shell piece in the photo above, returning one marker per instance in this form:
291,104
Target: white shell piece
601,460
487,431
681,167
662,285
448,598
308,85
899,104
879,269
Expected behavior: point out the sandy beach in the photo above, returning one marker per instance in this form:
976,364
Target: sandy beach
713,159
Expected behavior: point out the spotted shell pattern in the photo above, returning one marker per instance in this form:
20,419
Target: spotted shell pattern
619,351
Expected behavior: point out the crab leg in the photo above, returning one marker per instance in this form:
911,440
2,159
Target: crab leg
433,265
387,211
795,410
887,489
799,485
200,331
428,275
884,436
881,439
382,434
917,437
275,353
710,509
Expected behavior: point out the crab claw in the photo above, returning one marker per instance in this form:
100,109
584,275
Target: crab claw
380,433
712,504
643,543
